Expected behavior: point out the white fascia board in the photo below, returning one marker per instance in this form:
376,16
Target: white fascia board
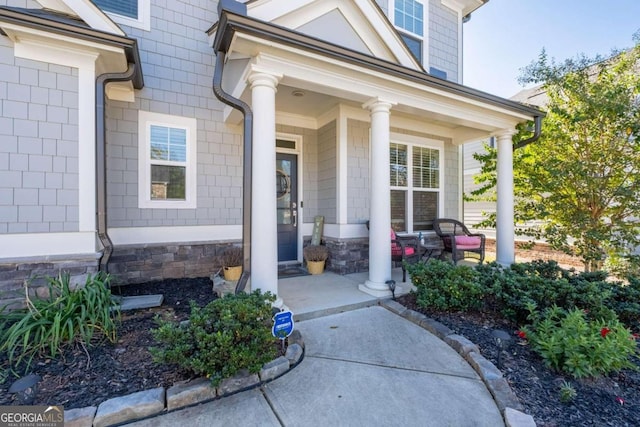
357,83
367,20
401,122
22,35
57,5
46,244
180,234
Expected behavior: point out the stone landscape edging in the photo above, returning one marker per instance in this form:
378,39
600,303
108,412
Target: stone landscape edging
148,403
508,403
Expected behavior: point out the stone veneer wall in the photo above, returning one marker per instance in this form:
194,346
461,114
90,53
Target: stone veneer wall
14,274
347,255
138,264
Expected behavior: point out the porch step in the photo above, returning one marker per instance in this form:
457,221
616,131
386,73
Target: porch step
141,301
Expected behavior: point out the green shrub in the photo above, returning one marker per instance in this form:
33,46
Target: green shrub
66,316
228,335
444,286
625,301
543,283
569,342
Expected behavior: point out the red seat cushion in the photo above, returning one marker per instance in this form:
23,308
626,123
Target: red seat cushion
468,242
396,249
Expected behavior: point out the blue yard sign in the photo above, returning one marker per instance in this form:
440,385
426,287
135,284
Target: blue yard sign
282,324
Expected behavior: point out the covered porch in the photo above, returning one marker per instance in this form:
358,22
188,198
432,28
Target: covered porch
369,131
314,296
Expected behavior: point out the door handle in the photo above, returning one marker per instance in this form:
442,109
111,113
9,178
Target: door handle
294,214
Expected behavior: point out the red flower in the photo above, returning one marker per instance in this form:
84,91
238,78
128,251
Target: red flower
604,331
521,334
635,336
620,400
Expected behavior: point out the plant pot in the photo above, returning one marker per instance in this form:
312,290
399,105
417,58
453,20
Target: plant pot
315,267
232,274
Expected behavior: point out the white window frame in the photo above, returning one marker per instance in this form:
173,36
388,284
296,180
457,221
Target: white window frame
411,142
145,120
423,38
143,21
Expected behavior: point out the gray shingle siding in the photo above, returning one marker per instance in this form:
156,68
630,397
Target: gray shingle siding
443,39
358,171
178,69
39,133
327,164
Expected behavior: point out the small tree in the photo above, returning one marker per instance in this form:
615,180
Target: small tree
579,184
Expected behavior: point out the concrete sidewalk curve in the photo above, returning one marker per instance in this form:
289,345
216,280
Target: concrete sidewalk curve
367,367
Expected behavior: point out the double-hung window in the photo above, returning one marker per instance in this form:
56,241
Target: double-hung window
167,161
135,13
416,184
409,17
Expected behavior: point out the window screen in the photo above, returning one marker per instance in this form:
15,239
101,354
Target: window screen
127,8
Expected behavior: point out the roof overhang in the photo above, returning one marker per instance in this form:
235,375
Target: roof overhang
316,65
465,7
46,28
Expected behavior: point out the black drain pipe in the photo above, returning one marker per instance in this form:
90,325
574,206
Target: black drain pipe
101,159
536,134
238,104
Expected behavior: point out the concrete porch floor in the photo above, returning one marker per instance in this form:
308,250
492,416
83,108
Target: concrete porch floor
314,296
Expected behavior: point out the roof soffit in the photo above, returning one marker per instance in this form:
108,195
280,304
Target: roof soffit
465,7
366,20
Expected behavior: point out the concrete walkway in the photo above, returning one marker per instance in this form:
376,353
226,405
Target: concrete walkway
364,367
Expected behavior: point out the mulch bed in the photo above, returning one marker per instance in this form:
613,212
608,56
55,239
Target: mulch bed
84,377
597,402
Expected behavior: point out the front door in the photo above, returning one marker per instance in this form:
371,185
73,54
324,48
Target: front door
287,205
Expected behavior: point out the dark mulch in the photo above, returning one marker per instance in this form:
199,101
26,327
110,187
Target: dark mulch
84,377
597,401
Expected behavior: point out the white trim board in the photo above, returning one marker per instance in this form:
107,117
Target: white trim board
46,244
182,234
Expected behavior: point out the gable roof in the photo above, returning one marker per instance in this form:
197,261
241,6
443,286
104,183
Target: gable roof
360,25
86,11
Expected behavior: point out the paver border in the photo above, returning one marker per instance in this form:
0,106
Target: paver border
193,392
508,403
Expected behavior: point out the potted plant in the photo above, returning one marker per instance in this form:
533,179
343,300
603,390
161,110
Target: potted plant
232,259
315,255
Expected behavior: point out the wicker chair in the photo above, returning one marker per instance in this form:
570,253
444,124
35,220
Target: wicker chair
458,240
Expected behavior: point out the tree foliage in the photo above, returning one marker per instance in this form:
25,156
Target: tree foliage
578,186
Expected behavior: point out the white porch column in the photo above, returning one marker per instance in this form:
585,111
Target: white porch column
264,235
380,211
505,236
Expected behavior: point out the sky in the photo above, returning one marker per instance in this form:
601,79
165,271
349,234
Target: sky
504,36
